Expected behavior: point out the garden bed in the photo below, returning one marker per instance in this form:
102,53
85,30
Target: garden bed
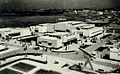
9,71
23,66
42,71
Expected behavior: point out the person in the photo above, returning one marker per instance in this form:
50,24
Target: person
46,60
81,65
57,53
25,47
26,55
0,62
85,40
15,40
56,62
76,52
66,47
65,65
41,55
46,49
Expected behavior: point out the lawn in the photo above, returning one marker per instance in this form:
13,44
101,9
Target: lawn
9,71
42,71
23,66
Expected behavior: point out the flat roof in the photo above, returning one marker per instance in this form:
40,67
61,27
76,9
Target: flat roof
82,24
100,49
93,29
14,31
73,22
59,33
99,21
88,26
11,29
5,29
47,37
70,22
44,24
2,47
114,50
22,38
96,28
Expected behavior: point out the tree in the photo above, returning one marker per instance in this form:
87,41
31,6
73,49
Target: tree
25,48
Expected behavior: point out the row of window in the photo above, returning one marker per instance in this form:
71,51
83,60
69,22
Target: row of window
96,31
45,42
14,34
71,39
55,36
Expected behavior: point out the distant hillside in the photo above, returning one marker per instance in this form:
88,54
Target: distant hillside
46,4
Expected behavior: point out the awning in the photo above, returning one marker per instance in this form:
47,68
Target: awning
23,38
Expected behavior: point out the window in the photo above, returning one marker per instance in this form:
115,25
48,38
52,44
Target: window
40,42
36,30
49,44
96,31
80,34
78,28
67,30
50,36
14,34
44,41
58,37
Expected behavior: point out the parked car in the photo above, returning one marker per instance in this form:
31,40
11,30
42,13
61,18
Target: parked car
84,46
93,41
75,67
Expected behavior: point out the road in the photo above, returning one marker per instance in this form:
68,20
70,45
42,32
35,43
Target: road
72,56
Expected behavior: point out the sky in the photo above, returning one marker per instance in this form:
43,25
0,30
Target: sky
46,4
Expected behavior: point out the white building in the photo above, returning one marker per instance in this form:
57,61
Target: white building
25,31
9,32
56,40
74,27
115,53
64,36
49,42
63,26
25,35
91,30
102,52
15,32
112,53
3,47
43,28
